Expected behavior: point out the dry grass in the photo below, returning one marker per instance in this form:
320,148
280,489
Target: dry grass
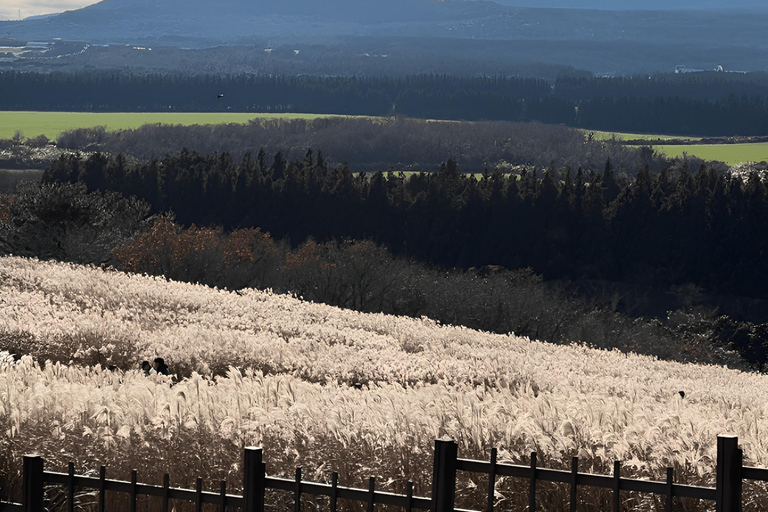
272,370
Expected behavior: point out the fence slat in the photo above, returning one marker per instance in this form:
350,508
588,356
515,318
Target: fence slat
444,476
492,480
670,505
132,493
574,481
699,493
71,487
32,483
297,492
166,491
334,491
409,496
729,463
371,493
532,492
616,486
223,495
199,495
102,488
253,480
758,474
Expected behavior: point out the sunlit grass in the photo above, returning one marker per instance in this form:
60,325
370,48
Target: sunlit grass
731,154
601,135
331,389
51,124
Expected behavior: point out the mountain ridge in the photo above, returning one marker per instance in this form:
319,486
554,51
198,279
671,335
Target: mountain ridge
229,20
642,5
707,37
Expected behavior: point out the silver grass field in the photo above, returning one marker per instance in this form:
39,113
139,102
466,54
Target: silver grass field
334,390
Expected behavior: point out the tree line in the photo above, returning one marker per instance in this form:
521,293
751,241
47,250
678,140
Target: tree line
67,223
373,144
672,228
707,105
707,85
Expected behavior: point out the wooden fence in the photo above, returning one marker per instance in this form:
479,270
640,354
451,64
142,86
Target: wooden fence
726,494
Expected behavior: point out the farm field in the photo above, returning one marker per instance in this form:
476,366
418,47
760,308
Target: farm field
255,368
51,124
732,154
601,135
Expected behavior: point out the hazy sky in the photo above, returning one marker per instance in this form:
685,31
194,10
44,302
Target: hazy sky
9,9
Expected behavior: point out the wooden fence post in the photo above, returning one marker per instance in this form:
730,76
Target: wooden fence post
729,463
32,483
444,476
253,480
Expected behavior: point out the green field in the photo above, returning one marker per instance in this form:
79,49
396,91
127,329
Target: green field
732,154
51,124
598,135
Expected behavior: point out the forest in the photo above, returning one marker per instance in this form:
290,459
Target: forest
706,104
373,144
557,256
674,228
65,222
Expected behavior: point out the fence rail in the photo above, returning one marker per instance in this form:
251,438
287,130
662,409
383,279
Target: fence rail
727,493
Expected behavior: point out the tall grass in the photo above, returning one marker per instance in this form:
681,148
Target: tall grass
265,369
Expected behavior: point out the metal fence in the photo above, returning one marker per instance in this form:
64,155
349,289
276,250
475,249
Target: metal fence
727,493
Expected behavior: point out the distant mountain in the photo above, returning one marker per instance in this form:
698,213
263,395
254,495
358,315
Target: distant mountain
643,5
230,20
696,37
351,11
227,21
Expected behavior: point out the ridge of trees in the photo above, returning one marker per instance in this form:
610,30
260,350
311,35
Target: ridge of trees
708,104
374,144
668,229
67,223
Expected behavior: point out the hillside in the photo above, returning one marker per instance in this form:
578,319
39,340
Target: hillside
418,35
418,381
643,5
272,21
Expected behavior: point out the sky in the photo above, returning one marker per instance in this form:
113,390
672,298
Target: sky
9,9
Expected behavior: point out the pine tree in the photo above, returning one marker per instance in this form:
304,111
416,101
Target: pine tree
609,183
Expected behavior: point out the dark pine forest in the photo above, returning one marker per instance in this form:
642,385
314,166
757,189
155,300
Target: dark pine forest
707,104
678,227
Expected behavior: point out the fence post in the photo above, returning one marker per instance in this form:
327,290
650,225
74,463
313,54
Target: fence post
444,476
729,462
253,480
32,483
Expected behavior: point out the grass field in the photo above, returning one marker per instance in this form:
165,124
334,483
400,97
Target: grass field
51,124
257,368
599,135
732,154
